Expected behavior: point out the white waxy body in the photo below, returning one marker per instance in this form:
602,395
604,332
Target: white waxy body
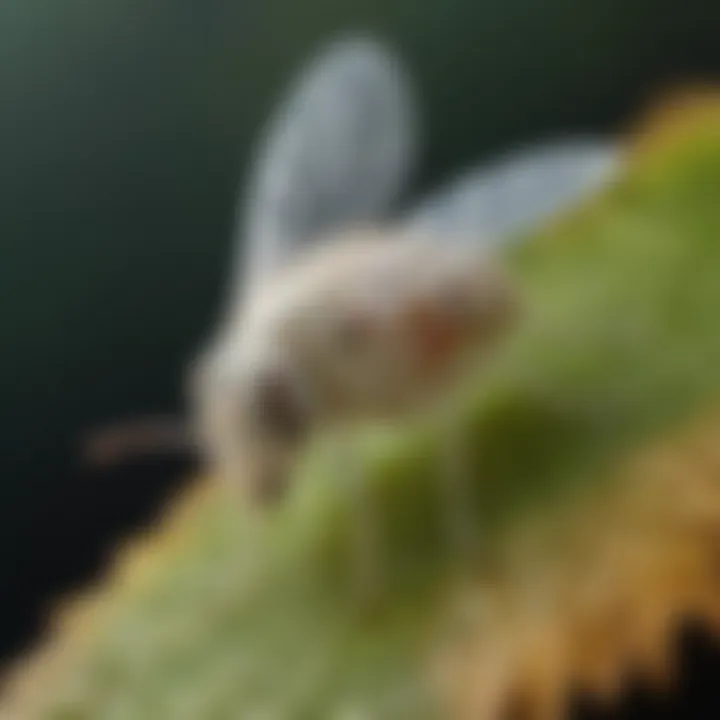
349,330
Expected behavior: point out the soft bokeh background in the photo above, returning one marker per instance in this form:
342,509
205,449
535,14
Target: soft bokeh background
124,130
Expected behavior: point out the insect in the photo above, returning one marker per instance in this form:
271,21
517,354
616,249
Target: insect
369,325
340,311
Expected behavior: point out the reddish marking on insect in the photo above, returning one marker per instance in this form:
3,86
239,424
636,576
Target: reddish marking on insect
436,338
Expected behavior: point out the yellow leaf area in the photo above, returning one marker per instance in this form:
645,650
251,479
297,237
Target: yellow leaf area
592,442
596,596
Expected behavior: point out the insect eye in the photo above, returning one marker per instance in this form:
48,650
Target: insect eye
278,408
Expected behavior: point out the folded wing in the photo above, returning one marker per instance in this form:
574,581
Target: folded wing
513,193
338,151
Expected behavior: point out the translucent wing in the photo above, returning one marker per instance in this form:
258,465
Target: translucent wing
519,190
338,151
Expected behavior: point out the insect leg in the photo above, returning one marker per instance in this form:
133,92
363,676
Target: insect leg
367,556
455,481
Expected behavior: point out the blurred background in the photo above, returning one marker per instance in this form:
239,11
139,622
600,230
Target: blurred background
125,127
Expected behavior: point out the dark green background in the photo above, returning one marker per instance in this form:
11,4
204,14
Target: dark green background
124,127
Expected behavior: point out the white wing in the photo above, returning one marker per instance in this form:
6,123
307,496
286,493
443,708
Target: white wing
338,151
517,191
